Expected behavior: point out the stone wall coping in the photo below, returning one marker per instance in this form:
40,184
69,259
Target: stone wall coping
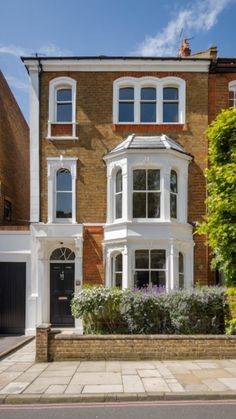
44,326
75,336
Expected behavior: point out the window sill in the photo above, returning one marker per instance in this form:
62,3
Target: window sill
62,138
150,127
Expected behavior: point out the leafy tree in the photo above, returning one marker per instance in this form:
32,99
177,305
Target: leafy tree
220,223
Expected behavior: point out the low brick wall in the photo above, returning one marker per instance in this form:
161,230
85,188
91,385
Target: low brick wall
61,347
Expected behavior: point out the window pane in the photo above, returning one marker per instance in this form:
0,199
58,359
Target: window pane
148,93
126,93
141,259
170,112
126,112
118,281
118,263
148,112
173,181
119,205
153,180
153,205
64,112
139,180
119,181
64,180
170,93
141,279
64,95
173,206
158,259
158,278
139,205
181,281
64,205
181,263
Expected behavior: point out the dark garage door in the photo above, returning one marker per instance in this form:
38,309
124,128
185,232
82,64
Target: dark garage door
12,297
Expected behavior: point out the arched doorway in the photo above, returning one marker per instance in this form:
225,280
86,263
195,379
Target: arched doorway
62,273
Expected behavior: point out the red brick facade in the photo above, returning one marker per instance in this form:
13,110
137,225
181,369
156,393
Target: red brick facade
14,159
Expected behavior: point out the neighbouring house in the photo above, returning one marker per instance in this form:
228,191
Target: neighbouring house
14,212
118,150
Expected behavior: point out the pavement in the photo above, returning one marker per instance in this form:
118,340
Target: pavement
11,343
24,381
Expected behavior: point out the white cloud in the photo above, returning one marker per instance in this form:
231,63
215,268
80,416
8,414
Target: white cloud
18,51
200,15
17,83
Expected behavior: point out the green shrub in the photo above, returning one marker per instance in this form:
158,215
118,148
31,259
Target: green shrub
231,327
106,310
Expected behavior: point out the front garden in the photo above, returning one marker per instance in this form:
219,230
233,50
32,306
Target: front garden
205,310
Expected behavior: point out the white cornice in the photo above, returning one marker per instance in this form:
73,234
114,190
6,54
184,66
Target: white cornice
125,64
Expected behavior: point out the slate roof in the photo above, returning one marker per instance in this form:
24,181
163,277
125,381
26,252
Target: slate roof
139,142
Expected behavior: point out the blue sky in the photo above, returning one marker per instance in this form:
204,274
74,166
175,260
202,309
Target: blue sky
108,27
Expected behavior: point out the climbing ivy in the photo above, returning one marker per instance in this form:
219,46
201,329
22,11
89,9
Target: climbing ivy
220,222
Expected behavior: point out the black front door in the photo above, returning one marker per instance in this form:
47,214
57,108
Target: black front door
12,297
61,289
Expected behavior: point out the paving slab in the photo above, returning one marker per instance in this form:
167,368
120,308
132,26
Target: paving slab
11,343
132,384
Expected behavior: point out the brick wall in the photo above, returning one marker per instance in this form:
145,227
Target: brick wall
136,347
14,157
219,92
97,135
93,266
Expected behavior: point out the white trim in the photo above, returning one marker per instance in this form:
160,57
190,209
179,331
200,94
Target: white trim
159,83
54,85
55,164
34,143
121,64
232,88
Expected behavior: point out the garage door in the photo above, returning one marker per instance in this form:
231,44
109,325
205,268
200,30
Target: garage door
12,297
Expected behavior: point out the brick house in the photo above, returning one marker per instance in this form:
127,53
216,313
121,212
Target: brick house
118,151
14,211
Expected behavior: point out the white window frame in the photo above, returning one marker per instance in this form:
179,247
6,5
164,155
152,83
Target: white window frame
159,84
113,268
181,273
146,191
55,85
149,269
55,164
232,88
176,194
119,169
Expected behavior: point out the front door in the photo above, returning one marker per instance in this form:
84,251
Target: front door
61,289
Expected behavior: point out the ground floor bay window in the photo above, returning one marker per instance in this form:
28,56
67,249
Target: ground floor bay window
150,268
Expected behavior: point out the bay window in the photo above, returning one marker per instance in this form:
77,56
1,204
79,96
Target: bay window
150,268
146,193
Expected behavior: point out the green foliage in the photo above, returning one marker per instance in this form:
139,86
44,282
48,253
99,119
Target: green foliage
231,327
107,311
220,223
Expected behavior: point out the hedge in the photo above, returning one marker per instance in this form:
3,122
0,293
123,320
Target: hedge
112,311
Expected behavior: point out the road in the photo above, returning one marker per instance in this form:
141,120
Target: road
155,410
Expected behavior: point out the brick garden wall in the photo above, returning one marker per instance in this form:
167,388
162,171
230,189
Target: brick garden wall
131,347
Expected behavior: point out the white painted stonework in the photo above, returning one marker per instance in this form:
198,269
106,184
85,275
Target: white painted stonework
127,234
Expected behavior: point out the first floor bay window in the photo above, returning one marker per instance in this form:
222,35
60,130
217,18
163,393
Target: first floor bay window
117,269
150,268
146,193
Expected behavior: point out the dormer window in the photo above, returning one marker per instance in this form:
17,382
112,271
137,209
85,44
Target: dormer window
62,109
149,100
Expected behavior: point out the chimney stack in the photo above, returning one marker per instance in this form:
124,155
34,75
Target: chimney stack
184,51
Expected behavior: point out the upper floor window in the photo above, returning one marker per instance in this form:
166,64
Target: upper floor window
149,100
7,210
118,195
150,268
64,105
173,193
62,108
63,194
146,193
232,93
62,174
